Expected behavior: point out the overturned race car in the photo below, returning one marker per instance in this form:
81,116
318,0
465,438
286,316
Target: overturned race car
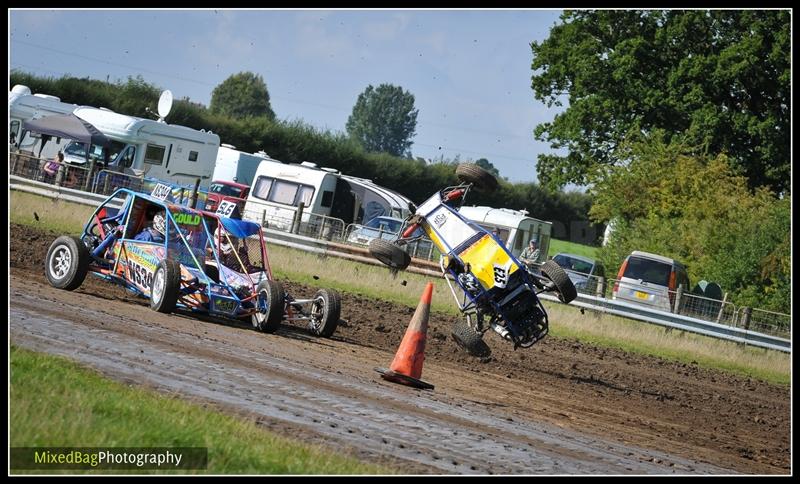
498,292
185,259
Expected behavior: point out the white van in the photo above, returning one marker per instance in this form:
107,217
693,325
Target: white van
24,106
278,189
237,166
169,152
514,227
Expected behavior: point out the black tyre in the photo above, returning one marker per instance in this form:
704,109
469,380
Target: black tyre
271,292
472,173
325,312
469,339
166,286
67,263
390,254
565,290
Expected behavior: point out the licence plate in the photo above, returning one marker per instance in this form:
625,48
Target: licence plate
641,295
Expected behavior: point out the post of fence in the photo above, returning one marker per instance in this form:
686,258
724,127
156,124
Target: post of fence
298,216
678,297
193,203
746,314
106,181
722,307
60,174
601,287
89,174
264,218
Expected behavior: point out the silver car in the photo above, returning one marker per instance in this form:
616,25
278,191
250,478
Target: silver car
650,280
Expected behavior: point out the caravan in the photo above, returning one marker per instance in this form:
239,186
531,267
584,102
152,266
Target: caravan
24,106
513,227
278,189
237,166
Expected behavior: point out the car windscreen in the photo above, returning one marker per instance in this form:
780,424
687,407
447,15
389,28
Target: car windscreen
226,190
648,270
384,224
572,264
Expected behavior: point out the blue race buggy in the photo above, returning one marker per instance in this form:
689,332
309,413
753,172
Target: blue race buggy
181,258
498,292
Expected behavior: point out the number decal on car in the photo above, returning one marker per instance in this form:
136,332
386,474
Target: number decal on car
161,191
500,277
139,275
439,220
226,208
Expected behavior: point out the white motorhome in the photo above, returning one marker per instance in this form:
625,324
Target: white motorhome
237,166
164,151
278,189
24,106
514,227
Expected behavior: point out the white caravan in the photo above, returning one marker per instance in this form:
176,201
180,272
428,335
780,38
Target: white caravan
514,227
278,189
24,106
237,166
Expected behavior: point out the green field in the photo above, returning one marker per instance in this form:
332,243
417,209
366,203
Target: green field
557,246
566,321
55,402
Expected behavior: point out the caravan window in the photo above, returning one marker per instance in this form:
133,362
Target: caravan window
192,156
154,154
283,191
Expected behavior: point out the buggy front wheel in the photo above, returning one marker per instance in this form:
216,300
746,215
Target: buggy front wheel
468,339
390,254
325,312
565,289
166,286
67,263
271,298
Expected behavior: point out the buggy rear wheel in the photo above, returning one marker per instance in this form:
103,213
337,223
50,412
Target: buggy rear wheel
565,289
468,339
272,295
325,312
390,254
472,173
67,263
166,286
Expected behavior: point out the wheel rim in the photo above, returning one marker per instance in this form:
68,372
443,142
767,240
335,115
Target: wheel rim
158,285
317,312
60,262
261,315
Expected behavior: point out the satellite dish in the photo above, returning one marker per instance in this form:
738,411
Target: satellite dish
164,104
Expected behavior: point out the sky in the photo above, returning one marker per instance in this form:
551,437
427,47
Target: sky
469,70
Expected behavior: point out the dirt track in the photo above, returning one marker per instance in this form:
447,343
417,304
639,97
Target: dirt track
559,407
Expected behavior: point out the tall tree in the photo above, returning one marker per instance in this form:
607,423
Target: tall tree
384,119
715,79
242,95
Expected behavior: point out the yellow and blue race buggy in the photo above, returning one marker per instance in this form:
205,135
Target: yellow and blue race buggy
188,260
498,292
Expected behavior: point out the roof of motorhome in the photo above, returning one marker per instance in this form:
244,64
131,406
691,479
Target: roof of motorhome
498,216
396,199
274,168
127,127
35,101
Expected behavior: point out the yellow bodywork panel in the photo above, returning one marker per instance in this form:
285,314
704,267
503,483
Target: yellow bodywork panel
489,263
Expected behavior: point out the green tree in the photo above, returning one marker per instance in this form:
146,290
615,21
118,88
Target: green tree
720,80
384,120
488,166
242,95
698,210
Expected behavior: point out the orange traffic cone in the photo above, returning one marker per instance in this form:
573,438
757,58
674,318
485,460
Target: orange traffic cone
406,367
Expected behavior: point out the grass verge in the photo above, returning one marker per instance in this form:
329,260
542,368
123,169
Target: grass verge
55,402
566,321
557,246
